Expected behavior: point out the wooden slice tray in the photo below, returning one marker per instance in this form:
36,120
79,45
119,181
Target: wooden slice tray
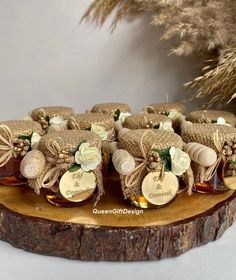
29,222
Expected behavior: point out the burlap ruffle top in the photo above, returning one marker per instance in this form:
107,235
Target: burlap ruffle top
110,108
153,138
204,133
68,140
140,121
209,116
84,121
22,127
52,111
165,108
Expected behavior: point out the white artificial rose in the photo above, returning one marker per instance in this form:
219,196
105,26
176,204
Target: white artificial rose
167,126
175,115
34,138
56,120
88,157
123,116
222,121
180,161
99,130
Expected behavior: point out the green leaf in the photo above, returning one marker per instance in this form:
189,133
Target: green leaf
213,121
25,137
47,118
74,167
117,115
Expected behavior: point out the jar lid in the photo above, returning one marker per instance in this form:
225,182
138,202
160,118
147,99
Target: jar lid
22,127
153,138
165,108
204,133
67,140
211,116
110,108
84,121
51,111
140,121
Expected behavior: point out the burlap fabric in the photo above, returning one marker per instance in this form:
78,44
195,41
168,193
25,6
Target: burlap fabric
209,116
204,134
165,108
15,128
52,145
52,111
140,121
157,139
110,108
84,121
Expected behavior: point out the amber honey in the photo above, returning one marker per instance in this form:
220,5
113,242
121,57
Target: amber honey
10,173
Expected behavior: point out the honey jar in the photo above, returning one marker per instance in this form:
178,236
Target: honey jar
66,168
17,138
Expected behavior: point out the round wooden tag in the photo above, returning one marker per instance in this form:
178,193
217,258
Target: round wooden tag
160,192
229,174
78,185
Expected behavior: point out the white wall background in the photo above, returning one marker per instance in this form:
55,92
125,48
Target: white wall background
48,58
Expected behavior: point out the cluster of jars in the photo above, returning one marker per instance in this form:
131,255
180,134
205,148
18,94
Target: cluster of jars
157,153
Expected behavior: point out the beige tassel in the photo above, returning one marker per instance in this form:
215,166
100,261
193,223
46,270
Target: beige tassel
201,154
123,161
32,164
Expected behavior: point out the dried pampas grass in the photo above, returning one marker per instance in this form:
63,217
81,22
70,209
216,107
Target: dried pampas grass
202,28
218,81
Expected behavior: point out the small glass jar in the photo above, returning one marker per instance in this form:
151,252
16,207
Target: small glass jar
211,116
52,118
71,175
152,182
20,136
206,134
145,121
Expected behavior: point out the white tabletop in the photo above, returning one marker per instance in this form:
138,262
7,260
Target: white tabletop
216,261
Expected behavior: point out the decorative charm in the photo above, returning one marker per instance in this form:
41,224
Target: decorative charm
77,186
160,191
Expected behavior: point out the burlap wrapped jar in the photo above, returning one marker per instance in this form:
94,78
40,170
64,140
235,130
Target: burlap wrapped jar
208,161
204,134
102,125
110,108
59,148
52,118
141,121
139,143
16,138
211,116
165,108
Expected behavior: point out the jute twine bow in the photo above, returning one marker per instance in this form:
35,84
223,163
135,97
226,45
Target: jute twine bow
55,147
210,172
7,146
135,176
